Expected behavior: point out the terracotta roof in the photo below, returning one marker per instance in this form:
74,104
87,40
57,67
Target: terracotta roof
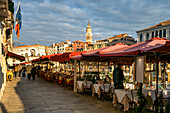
160,24
101,40
118,36
77,41
28,46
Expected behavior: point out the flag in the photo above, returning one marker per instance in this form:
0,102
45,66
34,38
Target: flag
18,21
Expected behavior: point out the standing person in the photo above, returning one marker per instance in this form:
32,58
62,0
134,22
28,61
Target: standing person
118,77
96,78
33,72
15,71
19,70
39,68
28,69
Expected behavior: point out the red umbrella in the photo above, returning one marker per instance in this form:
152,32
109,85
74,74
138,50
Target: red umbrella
55,57
67,56
104,49
147,46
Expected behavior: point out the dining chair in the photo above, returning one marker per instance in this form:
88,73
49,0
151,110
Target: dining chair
104,92
87,89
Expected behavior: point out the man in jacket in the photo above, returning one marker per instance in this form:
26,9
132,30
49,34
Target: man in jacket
33,72
118,77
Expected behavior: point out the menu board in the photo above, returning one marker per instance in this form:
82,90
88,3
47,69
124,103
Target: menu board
140,69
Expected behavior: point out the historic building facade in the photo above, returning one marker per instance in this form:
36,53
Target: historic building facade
30,52
122,38
161,30
100,43
6,42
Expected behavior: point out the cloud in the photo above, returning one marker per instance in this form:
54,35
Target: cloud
48,21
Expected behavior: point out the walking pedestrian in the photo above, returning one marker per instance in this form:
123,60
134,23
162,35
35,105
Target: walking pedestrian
28,69
15,71
33,72
19,70
118,77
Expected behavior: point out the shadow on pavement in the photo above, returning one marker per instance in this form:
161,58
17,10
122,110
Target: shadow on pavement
3,108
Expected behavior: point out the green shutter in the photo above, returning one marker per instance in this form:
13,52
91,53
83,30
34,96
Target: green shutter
11,6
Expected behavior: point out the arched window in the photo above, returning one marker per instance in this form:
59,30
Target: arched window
164,33
147,36
141,37
152,34
32,52
156,34
160,33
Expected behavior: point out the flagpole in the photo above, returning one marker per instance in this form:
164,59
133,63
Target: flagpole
17,9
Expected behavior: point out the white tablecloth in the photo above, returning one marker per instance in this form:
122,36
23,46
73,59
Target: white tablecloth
106,87
151,92
166,93
82,84
124,96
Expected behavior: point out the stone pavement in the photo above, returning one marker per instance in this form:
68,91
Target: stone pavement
39,96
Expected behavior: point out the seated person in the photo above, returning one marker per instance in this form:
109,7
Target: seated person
96,78
107,80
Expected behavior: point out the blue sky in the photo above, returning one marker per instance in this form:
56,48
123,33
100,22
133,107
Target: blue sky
50,21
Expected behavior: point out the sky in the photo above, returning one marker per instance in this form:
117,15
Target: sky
49,21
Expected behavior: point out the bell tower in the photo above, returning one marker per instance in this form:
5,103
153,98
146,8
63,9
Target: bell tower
89,34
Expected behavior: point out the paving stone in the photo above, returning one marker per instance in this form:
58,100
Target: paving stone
39,96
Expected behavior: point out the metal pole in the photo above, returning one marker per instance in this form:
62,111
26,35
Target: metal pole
164,75
75,75
98,67
79,67
157,74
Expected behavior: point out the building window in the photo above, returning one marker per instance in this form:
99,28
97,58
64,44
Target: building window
147,36
156,34
152,34
141,37
160,33
38,55
121,38
32,52
77,46
26,55
81,45
164,33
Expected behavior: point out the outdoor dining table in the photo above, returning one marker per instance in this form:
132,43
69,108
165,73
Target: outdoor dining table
166,95
82,84
150,95
124,97
105,87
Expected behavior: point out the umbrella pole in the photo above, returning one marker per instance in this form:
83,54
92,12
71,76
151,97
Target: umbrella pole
157,74
79,67
98,67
